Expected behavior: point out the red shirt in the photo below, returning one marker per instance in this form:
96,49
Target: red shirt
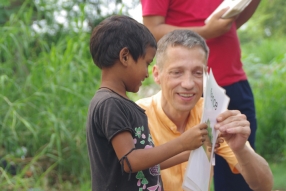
225,54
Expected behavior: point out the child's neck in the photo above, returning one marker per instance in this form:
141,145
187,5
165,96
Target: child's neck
114,89
111,78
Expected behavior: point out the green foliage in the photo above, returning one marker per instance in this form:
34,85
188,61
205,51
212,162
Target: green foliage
273,11
7,8
278,170
46,86
268,21
264,58
270,98
265,52
266,69
47,79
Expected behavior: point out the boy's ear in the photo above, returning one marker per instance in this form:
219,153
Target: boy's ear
124,55
156,74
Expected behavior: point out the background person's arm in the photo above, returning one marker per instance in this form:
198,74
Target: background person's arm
245,15
214,28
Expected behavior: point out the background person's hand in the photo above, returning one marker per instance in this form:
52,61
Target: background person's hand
217,26
234,128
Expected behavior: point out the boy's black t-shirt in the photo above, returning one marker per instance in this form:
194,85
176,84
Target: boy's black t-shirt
109,114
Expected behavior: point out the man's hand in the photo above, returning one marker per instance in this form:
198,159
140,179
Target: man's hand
208,143
234,127
255,170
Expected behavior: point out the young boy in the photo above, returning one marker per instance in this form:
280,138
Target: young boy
121,151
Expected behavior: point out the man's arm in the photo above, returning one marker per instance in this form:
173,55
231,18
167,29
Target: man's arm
214,28
246,13
254,169
235,129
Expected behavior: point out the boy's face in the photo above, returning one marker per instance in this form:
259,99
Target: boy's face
138,71
181,78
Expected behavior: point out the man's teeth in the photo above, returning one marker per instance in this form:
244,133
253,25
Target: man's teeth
186,95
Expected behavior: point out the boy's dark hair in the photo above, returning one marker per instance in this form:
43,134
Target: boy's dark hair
116,32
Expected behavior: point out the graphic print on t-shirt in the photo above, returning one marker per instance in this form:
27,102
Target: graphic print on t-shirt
141,138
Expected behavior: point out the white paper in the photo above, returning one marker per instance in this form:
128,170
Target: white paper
215,102
198,171
235,7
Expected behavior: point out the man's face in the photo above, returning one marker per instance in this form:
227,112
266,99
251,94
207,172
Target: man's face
181,78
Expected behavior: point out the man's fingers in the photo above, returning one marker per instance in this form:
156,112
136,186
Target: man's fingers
239,130
233,124
232,120
223,116
219,140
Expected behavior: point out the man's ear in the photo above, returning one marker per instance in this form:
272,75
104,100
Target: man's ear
156,74
124,55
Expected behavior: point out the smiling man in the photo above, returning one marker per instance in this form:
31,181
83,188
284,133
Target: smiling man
181,60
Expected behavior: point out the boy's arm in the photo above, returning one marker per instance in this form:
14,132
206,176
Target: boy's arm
141,159
178,159
184,157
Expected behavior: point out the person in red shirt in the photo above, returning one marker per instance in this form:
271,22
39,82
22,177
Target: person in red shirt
164,16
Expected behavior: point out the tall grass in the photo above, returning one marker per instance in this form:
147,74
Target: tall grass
47,81
265,64
45,89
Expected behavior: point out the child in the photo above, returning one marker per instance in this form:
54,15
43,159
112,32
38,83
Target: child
121,151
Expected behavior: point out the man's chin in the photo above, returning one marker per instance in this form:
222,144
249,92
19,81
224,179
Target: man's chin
185,108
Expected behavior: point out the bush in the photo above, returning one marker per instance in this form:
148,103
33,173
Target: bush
45,88
266,70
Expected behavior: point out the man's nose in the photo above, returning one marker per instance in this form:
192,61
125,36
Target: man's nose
188,81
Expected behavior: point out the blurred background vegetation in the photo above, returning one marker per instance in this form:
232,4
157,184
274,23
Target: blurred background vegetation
47,79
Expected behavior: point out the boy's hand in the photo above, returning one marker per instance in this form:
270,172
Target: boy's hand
194,137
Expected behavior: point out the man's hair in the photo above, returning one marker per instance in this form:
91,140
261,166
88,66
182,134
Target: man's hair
184,38
114,33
